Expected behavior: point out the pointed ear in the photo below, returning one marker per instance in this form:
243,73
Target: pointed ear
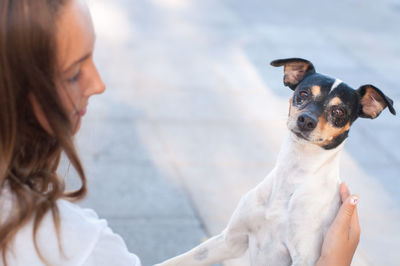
296,69
373,101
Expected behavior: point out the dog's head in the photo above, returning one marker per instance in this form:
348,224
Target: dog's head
322,109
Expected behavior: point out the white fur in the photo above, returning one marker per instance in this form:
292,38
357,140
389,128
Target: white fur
336,83
282,220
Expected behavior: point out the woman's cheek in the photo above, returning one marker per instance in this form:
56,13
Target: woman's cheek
69,99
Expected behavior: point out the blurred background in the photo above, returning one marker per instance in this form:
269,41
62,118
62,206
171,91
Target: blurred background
193,116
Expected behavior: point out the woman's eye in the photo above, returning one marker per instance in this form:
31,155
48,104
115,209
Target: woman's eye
75,78
337,112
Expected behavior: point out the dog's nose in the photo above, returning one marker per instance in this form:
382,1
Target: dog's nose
306,122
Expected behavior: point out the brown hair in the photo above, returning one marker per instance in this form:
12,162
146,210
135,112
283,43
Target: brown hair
29,155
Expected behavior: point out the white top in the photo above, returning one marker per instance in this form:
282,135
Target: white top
86,240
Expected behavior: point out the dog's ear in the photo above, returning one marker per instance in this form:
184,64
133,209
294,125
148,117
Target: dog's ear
296,69
373,101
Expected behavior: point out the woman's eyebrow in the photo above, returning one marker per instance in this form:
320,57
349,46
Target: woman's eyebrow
78,61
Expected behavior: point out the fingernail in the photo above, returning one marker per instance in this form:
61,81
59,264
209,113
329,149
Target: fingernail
354,200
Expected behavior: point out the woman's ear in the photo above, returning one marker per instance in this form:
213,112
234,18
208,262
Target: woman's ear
295,70
373,101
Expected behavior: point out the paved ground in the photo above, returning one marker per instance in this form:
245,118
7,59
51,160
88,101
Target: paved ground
193,116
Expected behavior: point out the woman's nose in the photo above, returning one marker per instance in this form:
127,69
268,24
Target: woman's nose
97,85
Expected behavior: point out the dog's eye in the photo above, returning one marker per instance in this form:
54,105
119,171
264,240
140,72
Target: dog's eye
303,94
337,112
301,97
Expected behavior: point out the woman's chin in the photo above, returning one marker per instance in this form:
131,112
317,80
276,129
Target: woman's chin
77,125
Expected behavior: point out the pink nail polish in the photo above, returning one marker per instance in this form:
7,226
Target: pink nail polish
354,200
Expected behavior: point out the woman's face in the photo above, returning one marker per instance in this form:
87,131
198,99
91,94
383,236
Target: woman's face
79,78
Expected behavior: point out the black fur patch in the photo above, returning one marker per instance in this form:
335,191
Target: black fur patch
300,76
336,141
349,103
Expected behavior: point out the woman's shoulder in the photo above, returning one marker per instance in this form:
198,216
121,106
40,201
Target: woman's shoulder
85,240
76,218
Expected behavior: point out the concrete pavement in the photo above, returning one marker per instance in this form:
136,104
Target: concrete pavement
193,116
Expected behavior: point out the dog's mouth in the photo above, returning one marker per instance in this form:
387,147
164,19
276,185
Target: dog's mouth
300,135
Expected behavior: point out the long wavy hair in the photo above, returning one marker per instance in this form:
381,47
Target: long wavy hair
29,155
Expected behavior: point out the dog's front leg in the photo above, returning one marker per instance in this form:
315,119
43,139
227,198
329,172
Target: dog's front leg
306,252
305,242
231,243
224,246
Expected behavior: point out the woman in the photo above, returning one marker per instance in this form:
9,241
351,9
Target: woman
47,76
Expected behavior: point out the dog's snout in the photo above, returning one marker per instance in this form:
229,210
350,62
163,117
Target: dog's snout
306,122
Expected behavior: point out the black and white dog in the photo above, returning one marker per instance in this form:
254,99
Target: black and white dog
282,221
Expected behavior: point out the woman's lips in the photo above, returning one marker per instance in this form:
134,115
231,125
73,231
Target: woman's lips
82,112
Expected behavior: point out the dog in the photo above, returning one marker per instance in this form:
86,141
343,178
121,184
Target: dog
283,220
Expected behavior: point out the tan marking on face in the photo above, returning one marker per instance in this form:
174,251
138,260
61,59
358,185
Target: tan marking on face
316,90
290,104
335,101
325,132
293,115
293,110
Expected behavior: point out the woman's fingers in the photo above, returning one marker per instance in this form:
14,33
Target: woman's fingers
348,216
343,235
344,191
345,215
355,227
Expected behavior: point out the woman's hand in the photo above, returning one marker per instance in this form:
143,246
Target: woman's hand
343,235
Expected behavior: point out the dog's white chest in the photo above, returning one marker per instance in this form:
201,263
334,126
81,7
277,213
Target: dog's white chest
283,219
289,207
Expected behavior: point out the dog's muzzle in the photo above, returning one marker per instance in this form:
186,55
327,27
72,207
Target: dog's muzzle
306,122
